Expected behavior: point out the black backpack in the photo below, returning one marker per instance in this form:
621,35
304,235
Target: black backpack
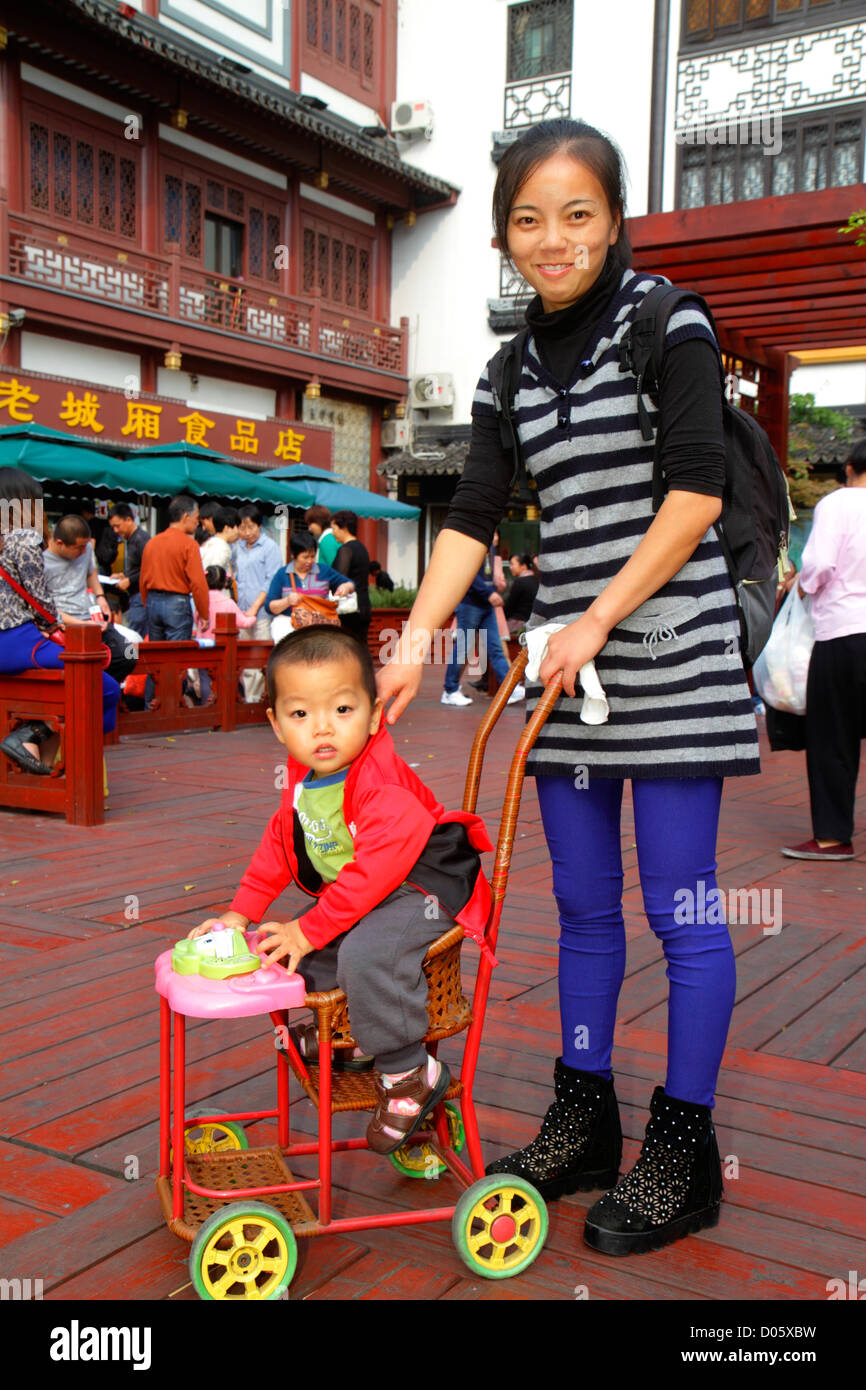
753,529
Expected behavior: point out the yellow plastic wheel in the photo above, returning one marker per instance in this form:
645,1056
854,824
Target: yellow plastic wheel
418,1160
499,1226
212,1136
245,1251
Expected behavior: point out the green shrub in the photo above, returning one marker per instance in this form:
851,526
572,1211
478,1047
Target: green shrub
398,598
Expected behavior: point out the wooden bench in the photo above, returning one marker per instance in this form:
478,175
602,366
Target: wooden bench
71,702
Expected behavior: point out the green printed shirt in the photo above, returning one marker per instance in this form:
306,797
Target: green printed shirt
319,804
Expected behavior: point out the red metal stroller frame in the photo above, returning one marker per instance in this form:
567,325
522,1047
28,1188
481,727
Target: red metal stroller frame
242,1209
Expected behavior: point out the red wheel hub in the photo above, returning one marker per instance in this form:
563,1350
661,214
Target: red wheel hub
503,1230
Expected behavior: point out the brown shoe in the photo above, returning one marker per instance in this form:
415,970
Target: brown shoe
306,1040
413,1087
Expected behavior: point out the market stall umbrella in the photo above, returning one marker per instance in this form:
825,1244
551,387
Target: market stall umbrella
51,456
331,492
202,473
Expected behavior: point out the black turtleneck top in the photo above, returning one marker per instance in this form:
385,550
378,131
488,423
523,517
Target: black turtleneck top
690,425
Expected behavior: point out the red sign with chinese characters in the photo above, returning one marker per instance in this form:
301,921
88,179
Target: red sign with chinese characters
127,419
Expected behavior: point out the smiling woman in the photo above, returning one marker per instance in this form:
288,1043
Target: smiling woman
647,595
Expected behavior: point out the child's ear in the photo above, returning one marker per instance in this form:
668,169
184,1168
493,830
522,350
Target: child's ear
275,726
376,717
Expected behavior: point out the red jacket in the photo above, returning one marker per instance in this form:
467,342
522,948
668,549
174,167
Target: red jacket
400,832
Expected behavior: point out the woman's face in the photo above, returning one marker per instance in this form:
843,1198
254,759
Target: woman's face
304,561
559,229
515,566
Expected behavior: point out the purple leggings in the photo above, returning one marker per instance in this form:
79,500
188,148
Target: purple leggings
676,822
24,648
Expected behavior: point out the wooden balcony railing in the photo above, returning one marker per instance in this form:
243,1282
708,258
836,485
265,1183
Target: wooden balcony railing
160,284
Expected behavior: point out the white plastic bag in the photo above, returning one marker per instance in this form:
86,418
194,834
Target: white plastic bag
781,671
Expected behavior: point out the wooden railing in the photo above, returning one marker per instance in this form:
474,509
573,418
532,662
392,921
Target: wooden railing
168,662
161,284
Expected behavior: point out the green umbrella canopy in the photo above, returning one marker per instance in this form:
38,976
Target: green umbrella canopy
52,456
203,473
335,495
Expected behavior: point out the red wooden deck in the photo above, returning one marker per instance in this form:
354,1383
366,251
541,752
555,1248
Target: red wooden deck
83,912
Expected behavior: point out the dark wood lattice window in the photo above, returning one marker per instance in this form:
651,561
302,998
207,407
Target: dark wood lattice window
220,224
83,180
343,43
337,261
815,152
539,39
705,21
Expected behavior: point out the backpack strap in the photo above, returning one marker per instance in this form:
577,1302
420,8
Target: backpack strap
642,351
505,370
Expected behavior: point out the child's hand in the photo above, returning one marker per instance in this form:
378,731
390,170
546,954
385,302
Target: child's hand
283,939
229,919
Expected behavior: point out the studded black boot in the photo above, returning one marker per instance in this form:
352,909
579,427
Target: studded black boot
580,1144
674,1188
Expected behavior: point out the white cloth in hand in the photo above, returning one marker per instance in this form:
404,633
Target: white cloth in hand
595,708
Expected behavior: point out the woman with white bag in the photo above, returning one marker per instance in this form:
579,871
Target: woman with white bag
834,573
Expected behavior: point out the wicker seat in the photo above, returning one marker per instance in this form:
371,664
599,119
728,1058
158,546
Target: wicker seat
448,1012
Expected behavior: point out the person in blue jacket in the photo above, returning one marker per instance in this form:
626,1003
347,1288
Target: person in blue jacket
475,614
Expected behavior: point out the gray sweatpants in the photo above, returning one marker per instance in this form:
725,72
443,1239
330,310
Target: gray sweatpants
378,966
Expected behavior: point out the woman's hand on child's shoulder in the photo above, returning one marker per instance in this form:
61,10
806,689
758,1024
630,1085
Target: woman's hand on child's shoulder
228,919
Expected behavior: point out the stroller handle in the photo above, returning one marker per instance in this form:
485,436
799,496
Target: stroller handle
517,771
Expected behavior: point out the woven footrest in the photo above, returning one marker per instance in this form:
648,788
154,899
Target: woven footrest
247,1168
356,1090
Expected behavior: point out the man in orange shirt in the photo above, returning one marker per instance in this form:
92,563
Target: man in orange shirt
171,571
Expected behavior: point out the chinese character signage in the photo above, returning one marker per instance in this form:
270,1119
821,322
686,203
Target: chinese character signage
110,416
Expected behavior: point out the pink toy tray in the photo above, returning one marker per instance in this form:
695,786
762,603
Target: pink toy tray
242,996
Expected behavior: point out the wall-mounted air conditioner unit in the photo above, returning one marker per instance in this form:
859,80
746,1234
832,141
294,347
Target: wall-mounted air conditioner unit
395,434
435,391
412,118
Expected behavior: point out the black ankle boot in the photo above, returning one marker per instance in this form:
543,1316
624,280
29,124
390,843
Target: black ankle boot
674,1188
580,1144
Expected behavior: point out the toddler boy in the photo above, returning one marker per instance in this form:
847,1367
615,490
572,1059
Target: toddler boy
387,865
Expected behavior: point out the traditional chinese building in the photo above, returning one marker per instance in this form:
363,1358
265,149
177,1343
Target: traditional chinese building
196,213
741,124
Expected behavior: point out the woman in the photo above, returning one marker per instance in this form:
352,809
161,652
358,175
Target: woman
834,573
304,575
648,596
23,641
353,560
521,596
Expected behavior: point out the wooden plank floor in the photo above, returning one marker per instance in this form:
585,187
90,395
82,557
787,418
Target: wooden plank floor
83,913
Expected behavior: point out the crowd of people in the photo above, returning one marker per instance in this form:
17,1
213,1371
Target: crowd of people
209,559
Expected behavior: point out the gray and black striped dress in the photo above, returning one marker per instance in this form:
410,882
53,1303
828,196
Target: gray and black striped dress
679,700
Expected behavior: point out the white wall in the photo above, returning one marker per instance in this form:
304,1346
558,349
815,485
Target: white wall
402,561
215,393
831,383
444,268
81,361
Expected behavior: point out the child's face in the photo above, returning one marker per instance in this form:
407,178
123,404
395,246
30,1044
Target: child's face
323,714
